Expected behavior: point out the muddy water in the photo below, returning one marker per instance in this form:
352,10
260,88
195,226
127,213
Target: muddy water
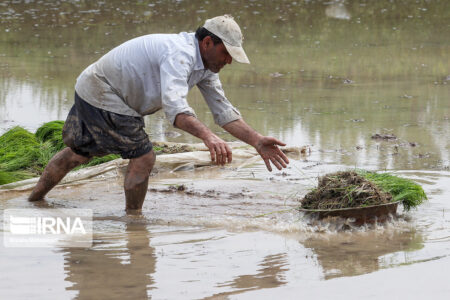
322,74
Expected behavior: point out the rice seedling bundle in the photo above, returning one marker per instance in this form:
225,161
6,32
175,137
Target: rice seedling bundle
354,189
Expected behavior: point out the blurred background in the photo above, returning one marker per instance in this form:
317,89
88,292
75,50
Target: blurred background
329,74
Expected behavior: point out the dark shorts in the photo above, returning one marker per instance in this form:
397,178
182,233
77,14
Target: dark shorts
91,131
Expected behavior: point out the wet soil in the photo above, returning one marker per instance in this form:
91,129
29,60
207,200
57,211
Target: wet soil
209,193
385,137
344,190
165,148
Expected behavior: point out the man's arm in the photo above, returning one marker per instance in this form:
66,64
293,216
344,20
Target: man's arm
219,149
266,146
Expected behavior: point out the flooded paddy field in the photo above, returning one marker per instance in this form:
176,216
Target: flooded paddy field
330,75
224,235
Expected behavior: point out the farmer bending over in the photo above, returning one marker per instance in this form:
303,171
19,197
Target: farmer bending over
140,77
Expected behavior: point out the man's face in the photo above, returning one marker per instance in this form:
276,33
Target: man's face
215,57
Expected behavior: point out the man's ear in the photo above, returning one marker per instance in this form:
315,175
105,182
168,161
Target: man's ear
207,41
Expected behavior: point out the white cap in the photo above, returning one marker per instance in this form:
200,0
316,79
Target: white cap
226,28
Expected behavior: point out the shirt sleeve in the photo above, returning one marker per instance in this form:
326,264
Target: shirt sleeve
223,111
174,71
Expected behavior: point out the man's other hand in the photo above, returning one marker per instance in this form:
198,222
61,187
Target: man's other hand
267,147
220,151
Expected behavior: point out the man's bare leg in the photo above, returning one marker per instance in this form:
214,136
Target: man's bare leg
56,169
136,181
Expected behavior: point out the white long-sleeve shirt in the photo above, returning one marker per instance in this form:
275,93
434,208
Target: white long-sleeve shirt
153,72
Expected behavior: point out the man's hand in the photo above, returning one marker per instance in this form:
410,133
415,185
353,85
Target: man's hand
220,151
267,147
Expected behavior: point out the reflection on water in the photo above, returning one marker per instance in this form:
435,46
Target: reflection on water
357,254
329,74
337,10
136,261
269,275
118,265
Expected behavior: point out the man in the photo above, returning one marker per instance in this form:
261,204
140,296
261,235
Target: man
140,77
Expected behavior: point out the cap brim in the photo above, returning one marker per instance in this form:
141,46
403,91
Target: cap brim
237,53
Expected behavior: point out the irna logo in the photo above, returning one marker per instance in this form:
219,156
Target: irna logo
47,227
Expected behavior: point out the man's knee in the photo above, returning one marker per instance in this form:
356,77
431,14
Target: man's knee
139,170
149,158
73,158
142,164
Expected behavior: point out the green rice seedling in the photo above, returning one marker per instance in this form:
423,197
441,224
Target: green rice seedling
405,190
52,132
99,160
344,190
8,177
19,149
46,151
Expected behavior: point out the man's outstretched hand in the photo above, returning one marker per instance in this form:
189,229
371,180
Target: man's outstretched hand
267,147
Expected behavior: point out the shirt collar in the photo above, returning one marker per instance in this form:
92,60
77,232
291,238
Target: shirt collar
198,57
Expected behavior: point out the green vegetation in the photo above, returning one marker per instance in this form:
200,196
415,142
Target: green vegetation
407,191
24,155
7,177
51,132
99,160
19,149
